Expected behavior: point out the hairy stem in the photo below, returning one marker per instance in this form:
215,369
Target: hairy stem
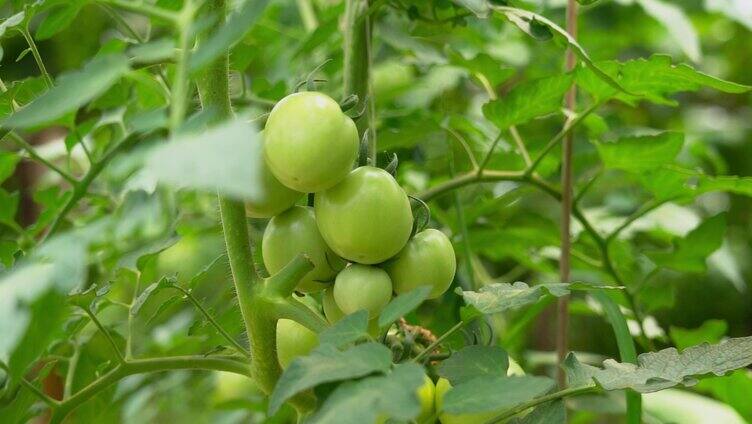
357,63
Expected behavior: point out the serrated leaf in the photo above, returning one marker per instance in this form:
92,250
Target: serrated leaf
349,329
527,101
653,78
668,367
677,24
391,396
403,305
484,394
690,253
711,331
638,154
224,158
163,283
326,364
237,25
165,305
499,297
531,23
72,91
474,361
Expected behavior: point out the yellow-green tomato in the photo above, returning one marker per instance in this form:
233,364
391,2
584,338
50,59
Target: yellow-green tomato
293,340
442,387
390,78
272,197
366,218
310,144
294,232
362,287
230,386
427,260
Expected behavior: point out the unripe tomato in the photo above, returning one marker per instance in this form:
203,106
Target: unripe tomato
362,287
366,218
390,78
230,386
272,197
310,144
293,340
427,260
291,233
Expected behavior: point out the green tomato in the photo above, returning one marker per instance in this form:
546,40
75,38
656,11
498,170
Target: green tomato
427,260
310,144
291,233
293,340
272,197
366,218
230,386
390,78
442,387
362,287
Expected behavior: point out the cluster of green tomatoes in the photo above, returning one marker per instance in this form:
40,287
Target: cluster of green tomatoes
359,233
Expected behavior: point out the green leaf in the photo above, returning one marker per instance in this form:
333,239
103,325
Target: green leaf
59,18
499,297
548,413
237,25
349,329
225,158
653,79
153,51
474,361
11,22
637,154
72,91
677,23
391,396
528,100
326,364
532,23
8,207
481,66
483,394
163,283
668,367
402,305
711,331
690,253
478,7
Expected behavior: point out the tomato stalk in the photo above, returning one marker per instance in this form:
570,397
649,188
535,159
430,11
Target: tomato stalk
357,64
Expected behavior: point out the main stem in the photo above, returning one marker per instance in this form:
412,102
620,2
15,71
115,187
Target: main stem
562,306
213,87
357,64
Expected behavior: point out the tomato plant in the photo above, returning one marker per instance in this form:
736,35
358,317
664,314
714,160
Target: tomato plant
354,211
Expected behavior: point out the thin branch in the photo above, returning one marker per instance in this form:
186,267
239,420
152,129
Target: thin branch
569,125
80,189
214,322
647,208
573,391
52,403
464,145
487,158
37,157
462,224
520,145
106,334
438,341
24,30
